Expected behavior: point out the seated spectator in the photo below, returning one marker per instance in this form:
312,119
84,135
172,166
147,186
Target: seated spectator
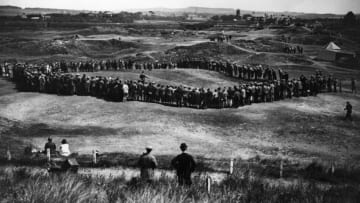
64,148
50,145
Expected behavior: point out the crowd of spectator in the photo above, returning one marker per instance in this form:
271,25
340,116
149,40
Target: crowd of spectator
257,83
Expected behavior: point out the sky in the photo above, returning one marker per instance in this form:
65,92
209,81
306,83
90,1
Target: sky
308,6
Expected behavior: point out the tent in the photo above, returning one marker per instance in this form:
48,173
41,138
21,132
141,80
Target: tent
333,52
332,46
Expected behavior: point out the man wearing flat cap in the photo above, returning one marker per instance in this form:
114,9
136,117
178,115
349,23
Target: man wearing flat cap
147,164
184,165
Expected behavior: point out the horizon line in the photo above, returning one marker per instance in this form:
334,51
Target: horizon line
130,9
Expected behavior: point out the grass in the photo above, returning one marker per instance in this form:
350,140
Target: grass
303,128
318,170
90,124
23,185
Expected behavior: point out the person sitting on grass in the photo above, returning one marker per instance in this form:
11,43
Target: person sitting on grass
64,148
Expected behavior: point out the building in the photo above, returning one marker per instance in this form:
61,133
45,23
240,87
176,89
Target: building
333,52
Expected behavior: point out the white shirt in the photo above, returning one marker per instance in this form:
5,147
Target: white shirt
64,150
126,88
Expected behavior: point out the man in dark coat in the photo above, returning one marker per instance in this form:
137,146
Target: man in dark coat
348,109
50,145
143,77
184,164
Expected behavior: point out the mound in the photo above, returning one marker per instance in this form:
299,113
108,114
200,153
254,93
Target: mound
92,48
34,48
295,30
207,49
278,59
309,39
261,44
103,30
140,57
103,46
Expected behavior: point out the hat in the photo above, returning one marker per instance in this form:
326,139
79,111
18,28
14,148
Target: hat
148,147
183,146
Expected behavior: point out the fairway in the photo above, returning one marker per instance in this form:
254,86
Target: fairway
196,78
301,128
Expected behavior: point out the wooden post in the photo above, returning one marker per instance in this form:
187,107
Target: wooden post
208,184
8,153
231,169
94,156
340,86
48,154
333,168
281,168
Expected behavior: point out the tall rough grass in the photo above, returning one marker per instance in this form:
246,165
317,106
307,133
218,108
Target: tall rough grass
22,185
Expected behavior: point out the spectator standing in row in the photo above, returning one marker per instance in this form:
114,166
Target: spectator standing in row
147,164
184,165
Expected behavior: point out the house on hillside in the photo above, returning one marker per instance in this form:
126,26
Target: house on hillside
333,52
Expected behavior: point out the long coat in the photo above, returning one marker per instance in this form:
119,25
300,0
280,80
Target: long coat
147,164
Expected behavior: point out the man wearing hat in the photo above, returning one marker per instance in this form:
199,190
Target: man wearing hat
184,164
147,164
143,77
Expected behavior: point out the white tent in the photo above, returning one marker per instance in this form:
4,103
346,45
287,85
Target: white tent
332,52
332,46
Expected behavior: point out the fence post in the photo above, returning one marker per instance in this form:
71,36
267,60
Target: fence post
8,153
281,167
48,154
340,86
94,156
231,169
332,168
208,184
